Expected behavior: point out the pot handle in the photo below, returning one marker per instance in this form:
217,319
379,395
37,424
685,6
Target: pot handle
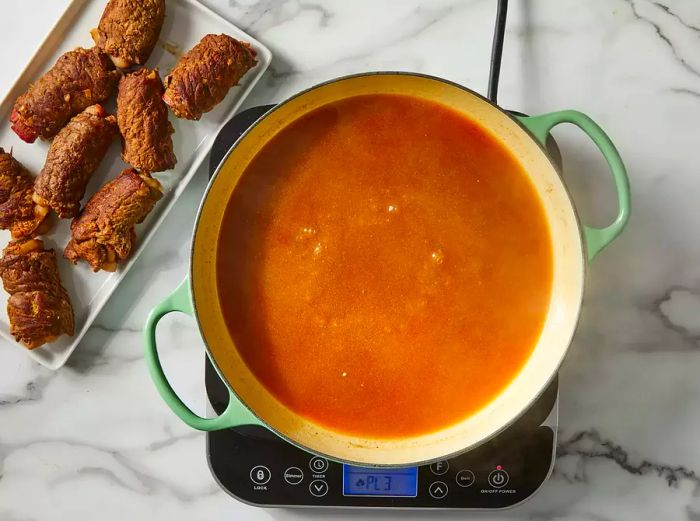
596,238
235,414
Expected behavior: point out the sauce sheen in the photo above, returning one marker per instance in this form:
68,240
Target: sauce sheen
384,266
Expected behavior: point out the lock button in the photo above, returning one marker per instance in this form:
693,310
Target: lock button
260,475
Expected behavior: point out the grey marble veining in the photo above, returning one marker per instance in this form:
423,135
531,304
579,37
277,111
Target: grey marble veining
94,439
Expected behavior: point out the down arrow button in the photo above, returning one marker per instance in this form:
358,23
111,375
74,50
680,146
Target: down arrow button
318,488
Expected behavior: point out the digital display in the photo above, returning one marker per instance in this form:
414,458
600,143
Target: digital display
360,481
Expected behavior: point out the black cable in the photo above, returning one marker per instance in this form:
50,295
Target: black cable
497,49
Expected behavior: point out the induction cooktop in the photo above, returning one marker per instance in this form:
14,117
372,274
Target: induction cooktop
256,466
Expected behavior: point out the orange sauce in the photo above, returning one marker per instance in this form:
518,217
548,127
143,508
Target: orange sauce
384,266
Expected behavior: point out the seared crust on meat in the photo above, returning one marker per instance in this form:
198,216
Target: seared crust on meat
104,234
202,77
147,141
39,307
18,213
75,154
79,78
129,29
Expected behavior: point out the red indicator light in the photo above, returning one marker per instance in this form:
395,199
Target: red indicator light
498,467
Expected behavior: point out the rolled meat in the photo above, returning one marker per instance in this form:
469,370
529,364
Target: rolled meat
75,154
79,78
103,234
202,77
147,142
39,307
18,212
129,29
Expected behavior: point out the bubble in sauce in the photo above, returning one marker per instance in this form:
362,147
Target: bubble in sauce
437,256
306,233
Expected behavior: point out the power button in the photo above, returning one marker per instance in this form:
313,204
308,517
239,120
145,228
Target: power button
498,478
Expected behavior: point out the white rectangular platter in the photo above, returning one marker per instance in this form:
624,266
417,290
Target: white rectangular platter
186,22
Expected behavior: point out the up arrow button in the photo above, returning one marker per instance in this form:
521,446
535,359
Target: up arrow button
438,489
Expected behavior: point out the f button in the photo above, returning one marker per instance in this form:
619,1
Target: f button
439,468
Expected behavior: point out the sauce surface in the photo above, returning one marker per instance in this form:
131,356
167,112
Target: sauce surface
384,266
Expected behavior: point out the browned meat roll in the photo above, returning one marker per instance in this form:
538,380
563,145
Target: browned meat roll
147,141
75,154
202,77
39,307
18,213
129,29
103,234
79,78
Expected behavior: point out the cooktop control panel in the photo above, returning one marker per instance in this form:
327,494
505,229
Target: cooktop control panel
256,466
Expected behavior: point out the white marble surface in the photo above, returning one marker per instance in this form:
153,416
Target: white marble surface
94,440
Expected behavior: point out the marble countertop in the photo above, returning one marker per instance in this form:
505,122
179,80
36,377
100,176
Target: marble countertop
94,440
